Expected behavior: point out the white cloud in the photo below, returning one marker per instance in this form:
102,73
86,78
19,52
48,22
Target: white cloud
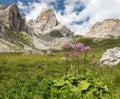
35,12
22,6
99,10
96,10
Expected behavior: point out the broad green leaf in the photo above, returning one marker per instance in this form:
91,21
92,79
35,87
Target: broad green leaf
90,93
75,89
61,83
83,85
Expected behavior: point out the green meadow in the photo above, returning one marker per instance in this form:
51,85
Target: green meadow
41,76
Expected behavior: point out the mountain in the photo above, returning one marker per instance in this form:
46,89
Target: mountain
106,29
10,17
46,23
43,33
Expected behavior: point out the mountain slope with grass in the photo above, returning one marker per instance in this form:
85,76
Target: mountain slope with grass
43,33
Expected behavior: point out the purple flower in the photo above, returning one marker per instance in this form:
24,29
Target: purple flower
95,62
74,53
85,48
67,53
77,46
67,45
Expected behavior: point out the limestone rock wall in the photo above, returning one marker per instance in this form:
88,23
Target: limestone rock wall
10,17
43,33
106,29
45,21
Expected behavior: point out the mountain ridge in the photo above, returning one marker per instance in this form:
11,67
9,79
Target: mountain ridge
106,29
43,33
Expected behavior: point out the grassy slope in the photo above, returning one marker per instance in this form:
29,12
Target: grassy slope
21,76
17,38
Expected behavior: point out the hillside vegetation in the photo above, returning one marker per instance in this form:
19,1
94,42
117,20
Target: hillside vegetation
31,76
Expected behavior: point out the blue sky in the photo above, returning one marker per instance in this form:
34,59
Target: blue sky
78,15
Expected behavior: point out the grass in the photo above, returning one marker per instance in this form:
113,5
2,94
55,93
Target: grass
17,38
26,77
56,33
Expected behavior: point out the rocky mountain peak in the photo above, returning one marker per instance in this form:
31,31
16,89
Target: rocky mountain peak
10,17
47,24
45,32
2,7
45,21
107,28
47,14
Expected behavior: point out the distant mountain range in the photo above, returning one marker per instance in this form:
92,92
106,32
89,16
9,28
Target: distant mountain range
43,33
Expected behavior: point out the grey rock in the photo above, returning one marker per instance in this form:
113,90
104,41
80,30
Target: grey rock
111,57
50,53
106,29
43,33
10,17
63,58
2,7
59,31
45,21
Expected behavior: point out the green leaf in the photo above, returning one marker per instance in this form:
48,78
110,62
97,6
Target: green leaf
75,89
61,83
83,85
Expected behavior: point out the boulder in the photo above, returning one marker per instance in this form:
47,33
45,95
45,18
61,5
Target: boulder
63,58
59,31
111,57
50,53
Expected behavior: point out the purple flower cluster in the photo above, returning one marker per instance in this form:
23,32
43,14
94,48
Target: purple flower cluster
74,49
77,47
74,54
66,46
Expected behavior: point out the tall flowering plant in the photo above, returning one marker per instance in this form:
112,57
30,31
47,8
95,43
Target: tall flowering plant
76,51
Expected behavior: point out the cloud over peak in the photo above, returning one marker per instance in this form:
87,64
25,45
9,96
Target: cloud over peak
78,15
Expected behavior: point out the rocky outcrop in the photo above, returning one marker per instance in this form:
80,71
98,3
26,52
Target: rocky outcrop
7,46
59,31
10,17
45,21
108,28
48,32
2,7
43,33
48,25
111,57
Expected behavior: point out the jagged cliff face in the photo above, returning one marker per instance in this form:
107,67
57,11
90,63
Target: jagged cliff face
47,24
43,33
106,29
45,21
10,17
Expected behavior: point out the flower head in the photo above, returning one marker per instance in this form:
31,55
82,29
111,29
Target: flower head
67,45
67,53
85,48
77,46
74,53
